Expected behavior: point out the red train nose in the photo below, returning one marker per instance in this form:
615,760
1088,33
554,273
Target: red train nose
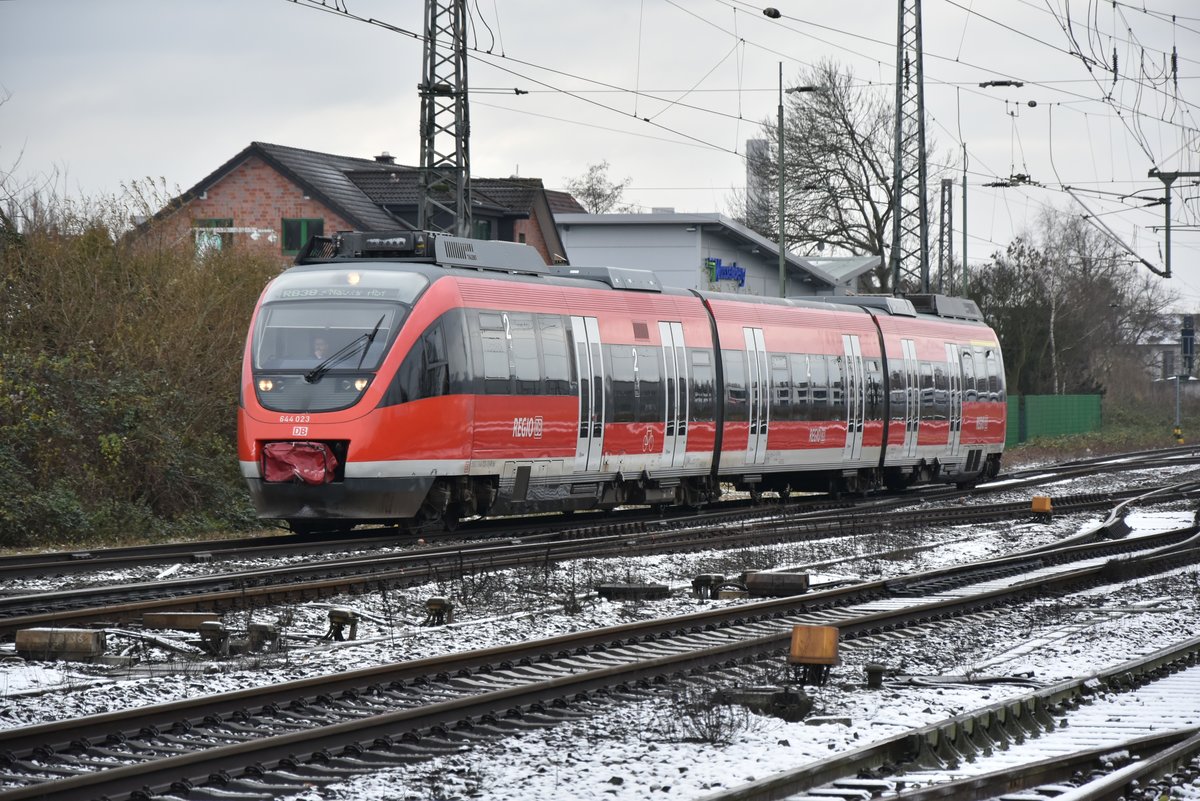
311,462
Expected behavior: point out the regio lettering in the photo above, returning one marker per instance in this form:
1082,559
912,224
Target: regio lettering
527,427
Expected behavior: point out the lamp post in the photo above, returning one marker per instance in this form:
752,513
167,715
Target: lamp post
779,165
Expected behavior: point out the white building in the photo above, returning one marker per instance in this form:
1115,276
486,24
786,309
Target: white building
702,251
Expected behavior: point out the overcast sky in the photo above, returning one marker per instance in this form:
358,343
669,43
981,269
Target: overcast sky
667,91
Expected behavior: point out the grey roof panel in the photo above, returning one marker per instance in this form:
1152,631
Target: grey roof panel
327,175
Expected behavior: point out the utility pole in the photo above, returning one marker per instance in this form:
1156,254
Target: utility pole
1169,178
945,281
910,219
779,166
445,186
963,289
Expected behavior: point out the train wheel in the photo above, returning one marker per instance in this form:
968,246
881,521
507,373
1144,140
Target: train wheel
453,516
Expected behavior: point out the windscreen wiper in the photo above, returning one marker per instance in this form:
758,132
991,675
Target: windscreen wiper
361,341
370,339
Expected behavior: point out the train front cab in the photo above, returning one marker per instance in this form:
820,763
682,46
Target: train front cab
319,367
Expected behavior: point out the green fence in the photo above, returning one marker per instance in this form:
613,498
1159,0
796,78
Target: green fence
1032,416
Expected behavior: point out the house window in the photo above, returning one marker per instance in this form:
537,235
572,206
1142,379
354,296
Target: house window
212,241
297,232
481,229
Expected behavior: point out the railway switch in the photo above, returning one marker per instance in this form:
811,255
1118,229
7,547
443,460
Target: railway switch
214,638
263,637
438,611
706,585
339,621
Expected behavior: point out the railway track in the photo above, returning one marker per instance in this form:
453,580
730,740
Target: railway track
1119,733
63,563
221,592
356,722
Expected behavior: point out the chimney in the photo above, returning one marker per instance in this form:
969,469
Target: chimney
385,158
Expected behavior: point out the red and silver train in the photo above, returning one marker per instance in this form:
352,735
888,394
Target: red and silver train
414,377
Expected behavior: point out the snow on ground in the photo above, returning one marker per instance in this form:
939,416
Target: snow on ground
659,745
641,750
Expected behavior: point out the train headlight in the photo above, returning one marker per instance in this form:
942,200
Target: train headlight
355,384
353,278
265,385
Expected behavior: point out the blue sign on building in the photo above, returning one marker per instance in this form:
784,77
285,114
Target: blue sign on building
725,272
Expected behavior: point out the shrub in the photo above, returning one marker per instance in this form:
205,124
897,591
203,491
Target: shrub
119,378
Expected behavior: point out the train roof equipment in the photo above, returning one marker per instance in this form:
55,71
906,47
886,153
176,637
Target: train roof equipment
616,277
911,305
428,248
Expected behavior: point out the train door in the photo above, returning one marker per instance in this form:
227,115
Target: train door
758,395
855,402
953,369
589,366
676,387
912,396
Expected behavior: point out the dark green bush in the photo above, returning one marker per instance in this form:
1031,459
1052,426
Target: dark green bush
119,367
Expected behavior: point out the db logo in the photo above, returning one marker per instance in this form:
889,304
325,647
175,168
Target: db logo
299,431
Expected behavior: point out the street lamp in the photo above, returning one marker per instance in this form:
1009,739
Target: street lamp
782,253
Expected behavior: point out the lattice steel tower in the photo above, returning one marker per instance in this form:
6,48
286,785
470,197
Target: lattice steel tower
445,201
910,220
945,279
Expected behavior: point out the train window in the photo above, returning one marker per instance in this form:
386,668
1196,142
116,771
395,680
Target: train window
926,384
621,365
801,405
302,334
818,376
703,385
837,394
736,406
435,375
649,388
526,366
407,384
496,378
454,327
553,336
941,393
968,373
995,380
425,371
874,393
781,388
490,321
898,393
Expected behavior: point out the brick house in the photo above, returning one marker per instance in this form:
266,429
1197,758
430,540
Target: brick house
275,197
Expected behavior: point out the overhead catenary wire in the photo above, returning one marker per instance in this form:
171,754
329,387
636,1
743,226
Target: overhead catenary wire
678,102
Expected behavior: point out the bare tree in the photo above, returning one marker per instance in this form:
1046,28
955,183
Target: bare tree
838,146
595,192
1070,309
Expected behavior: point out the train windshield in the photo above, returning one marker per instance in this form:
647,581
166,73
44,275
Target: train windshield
300,336
338,319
